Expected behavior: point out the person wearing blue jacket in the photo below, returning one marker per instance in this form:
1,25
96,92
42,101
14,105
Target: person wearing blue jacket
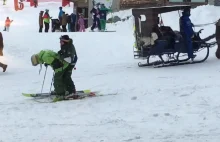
73,22
60,14
186,29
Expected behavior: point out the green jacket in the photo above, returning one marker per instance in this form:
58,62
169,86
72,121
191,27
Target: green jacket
103,12
53,59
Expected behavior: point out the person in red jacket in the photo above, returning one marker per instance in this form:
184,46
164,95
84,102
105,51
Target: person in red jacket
46,19
7,24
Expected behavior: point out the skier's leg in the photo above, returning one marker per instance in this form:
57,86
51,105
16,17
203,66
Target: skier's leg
7,28
93,25
69,84
40,29
84,28
189,47
4,67
1,51
47,26
64,28
59,86
69,28
98,24
102,24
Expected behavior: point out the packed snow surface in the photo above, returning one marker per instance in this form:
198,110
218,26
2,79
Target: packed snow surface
174,104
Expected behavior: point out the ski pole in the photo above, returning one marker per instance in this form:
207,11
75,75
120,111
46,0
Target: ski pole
51,83
44,80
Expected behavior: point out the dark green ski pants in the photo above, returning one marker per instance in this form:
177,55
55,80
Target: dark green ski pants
1,64
103,24
63,81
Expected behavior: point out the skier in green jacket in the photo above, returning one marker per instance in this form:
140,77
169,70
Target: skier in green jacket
62,66
103,16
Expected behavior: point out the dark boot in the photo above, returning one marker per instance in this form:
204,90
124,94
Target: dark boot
4,67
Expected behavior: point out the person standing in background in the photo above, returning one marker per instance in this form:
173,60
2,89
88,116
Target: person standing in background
46,19
96,17
41,21
60,15
73,22
7,24
103,16
81,23
35,3
64,22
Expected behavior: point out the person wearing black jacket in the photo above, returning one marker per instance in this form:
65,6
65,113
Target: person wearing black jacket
96,18
73,22
68,53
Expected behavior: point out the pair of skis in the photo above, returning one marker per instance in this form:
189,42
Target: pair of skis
79,95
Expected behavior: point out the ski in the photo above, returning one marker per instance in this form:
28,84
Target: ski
109,31
51,94
79,95
102,31
84,95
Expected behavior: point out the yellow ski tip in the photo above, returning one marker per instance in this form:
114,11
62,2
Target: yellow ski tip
26,95
87,91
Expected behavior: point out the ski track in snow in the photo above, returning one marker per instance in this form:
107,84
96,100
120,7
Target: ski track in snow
174,104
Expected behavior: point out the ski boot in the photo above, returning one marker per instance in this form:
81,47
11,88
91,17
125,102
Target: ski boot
58,98
192,59
66,96
72,96
4,68
53,93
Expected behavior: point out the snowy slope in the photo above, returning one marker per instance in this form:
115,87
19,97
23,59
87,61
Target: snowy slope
175,104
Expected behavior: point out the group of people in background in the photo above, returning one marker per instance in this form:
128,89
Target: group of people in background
99,16
64,22
73,22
